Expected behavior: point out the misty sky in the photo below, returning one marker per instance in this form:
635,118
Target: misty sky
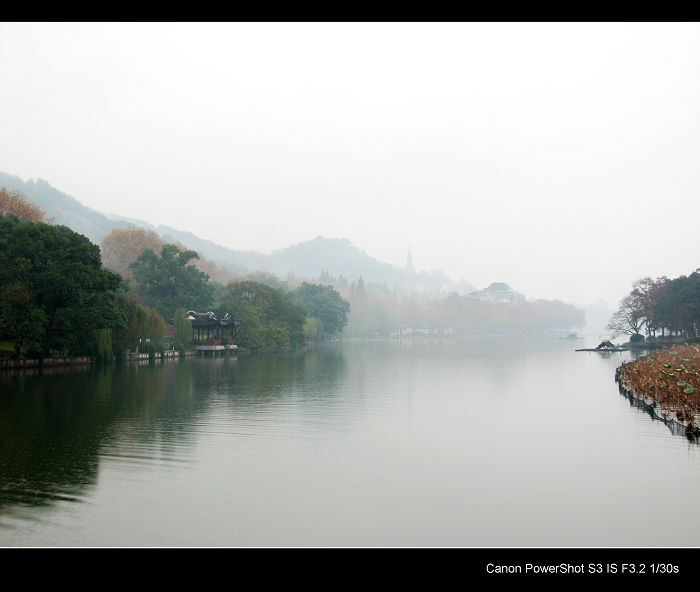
562,159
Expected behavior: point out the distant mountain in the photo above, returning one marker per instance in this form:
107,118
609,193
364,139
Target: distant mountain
64,209
306,260
337,257
340,257
238,261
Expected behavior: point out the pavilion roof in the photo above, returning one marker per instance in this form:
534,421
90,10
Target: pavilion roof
209,319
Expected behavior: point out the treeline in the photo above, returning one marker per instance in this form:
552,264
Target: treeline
377,311
275,318
56,298
274,315
660,307
61,296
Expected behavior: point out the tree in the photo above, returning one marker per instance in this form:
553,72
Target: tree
660,304
313,329
103,345
270,319
324,303
55,291
141,322
263,277
20,319
183,327
122,247
629,318
15,203
168,281
645,294
678,304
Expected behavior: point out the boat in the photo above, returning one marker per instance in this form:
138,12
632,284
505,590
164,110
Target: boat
572,336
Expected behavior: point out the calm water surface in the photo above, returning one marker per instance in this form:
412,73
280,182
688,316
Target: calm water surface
483,442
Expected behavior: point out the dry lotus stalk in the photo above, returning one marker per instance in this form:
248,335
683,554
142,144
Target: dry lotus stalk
670,380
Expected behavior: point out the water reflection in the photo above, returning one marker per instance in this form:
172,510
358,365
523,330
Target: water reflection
364,443
56,425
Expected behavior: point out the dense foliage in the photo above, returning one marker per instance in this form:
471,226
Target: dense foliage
168,281
668,307
324,304
54,294
57,298
270,319
183,328
142,322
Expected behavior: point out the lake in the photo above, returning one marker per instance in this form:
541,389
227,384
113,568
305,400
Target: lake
489,441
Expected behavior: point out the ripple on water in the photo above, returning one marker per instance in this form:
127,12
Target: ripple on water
489,443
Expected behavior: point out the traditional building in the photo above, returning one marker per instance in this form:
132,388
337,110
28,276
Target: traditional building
498,292
211,334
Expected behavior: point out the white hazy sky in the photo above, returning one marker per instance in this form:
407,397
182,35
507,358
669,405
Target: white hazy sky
563,159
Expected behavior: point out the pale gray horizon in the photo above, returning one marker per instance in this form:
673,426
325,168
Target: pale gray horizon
559,158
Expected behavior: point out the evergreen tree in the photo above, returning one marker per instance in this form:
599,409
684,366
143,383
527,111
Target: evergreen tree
54,292
168,281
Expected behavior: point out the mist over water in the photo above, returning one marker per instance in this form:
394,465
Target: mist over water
431,209
488,441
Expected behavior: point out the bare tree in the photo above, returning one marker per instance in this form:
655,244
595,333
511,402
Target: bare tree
630,316
646,292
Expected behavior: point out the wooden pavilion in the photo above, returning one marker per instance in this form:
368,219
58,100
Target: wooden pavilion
211,334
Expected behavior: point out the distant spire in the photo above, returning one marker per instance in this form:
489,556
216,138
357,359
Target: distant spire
409,260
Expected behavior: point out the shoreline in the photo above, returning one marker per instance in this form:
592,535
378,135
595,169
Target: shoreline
20,364
665,384
73,361
659,343
647,405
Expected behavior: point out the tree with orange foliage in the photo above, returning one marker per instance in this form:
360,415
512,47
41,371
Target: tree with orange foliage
15,203
123,246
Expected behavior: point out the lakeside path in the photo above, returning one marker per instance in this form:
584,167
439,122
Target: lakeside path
668,381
